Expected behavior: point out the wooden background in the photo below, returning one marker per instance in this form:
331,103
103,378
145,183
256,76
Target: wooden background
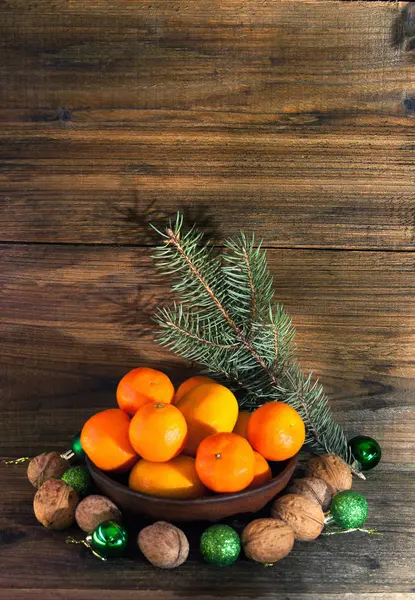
291,118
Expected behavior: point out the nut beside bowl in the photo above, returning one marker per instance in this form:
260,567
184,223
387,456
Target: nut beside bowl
211,508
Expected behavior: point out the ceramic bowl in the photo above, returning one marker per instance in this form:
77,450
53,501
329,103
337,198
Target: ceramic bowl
211,508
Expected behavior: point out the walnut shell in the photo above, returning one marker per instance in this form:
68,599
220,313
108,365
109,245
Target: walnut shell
331,469
267,540
164,545
314,488
46,466
94,510
302,514
55,503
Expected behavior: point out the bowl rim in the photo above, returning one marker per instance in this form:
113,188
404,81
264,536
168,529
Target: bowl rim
208,500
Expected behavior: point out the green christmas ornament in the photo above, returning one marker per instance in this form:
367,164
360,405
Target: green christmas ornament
348,510
366,451
109,540
76,452
220,545
79,479
76,447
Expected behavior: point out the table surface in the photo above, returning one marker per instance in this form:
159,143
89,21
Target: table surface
292,119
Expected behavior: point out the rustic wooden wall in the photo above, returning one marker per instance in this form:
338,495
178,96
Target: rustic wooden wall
293,119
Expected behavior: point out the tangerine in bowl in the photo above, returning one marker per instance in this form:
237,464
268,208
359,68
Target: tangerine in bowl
190,455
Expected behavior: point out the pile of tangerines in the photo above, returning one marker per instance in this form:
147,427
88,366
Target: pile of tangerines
180,444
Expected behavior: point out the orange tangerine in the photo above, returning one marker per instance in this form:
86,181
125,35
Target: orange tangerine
143,385
104,438
276,431
262,472
158,431
225,462
208,408
241,427
191,383
176,478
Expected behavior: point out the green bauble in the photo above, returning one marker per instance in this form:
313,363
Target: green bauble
76,447
220,545
79,479
366,451
108,540
349,510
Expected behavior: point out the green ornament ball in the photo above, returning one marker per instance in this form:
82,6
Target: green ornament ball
366,451
349,509
220,545
76,447
108,540
79,479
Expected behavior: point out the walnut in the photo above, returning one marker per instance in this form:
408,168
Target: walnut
332,469
46,466
267,540
94,510
164,545
314,488
302,514
55,503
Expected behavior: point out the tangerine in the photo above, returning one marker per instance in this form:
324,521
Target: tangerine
262,472
104,438
176,478
241,427
158,431
276,431
191,383
143,385
208,408
225,462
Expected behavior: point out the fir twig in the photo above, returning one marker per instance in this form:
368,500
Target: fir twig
173,238
225,320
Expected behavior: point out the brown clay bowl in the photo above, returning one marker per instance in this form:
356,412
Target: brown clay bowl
212,508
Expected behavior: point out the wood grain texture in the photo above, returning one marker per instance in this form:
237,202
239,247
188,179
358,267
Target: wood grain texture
81,594
296,109
75,319
293,119
35,558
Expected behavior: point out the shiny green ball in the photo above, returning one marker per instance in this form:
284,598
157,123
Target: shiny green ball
220,545
79,479
76,447
109,539
349,509
366,451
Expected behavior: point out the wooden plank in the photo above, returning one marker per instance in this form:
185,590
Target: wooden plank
79,594
114,113
33,557
75,319
328,189
103,13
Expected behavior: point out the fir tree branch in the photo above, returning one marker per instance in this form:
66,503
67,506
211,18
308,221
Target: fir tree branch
226,321
174,240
